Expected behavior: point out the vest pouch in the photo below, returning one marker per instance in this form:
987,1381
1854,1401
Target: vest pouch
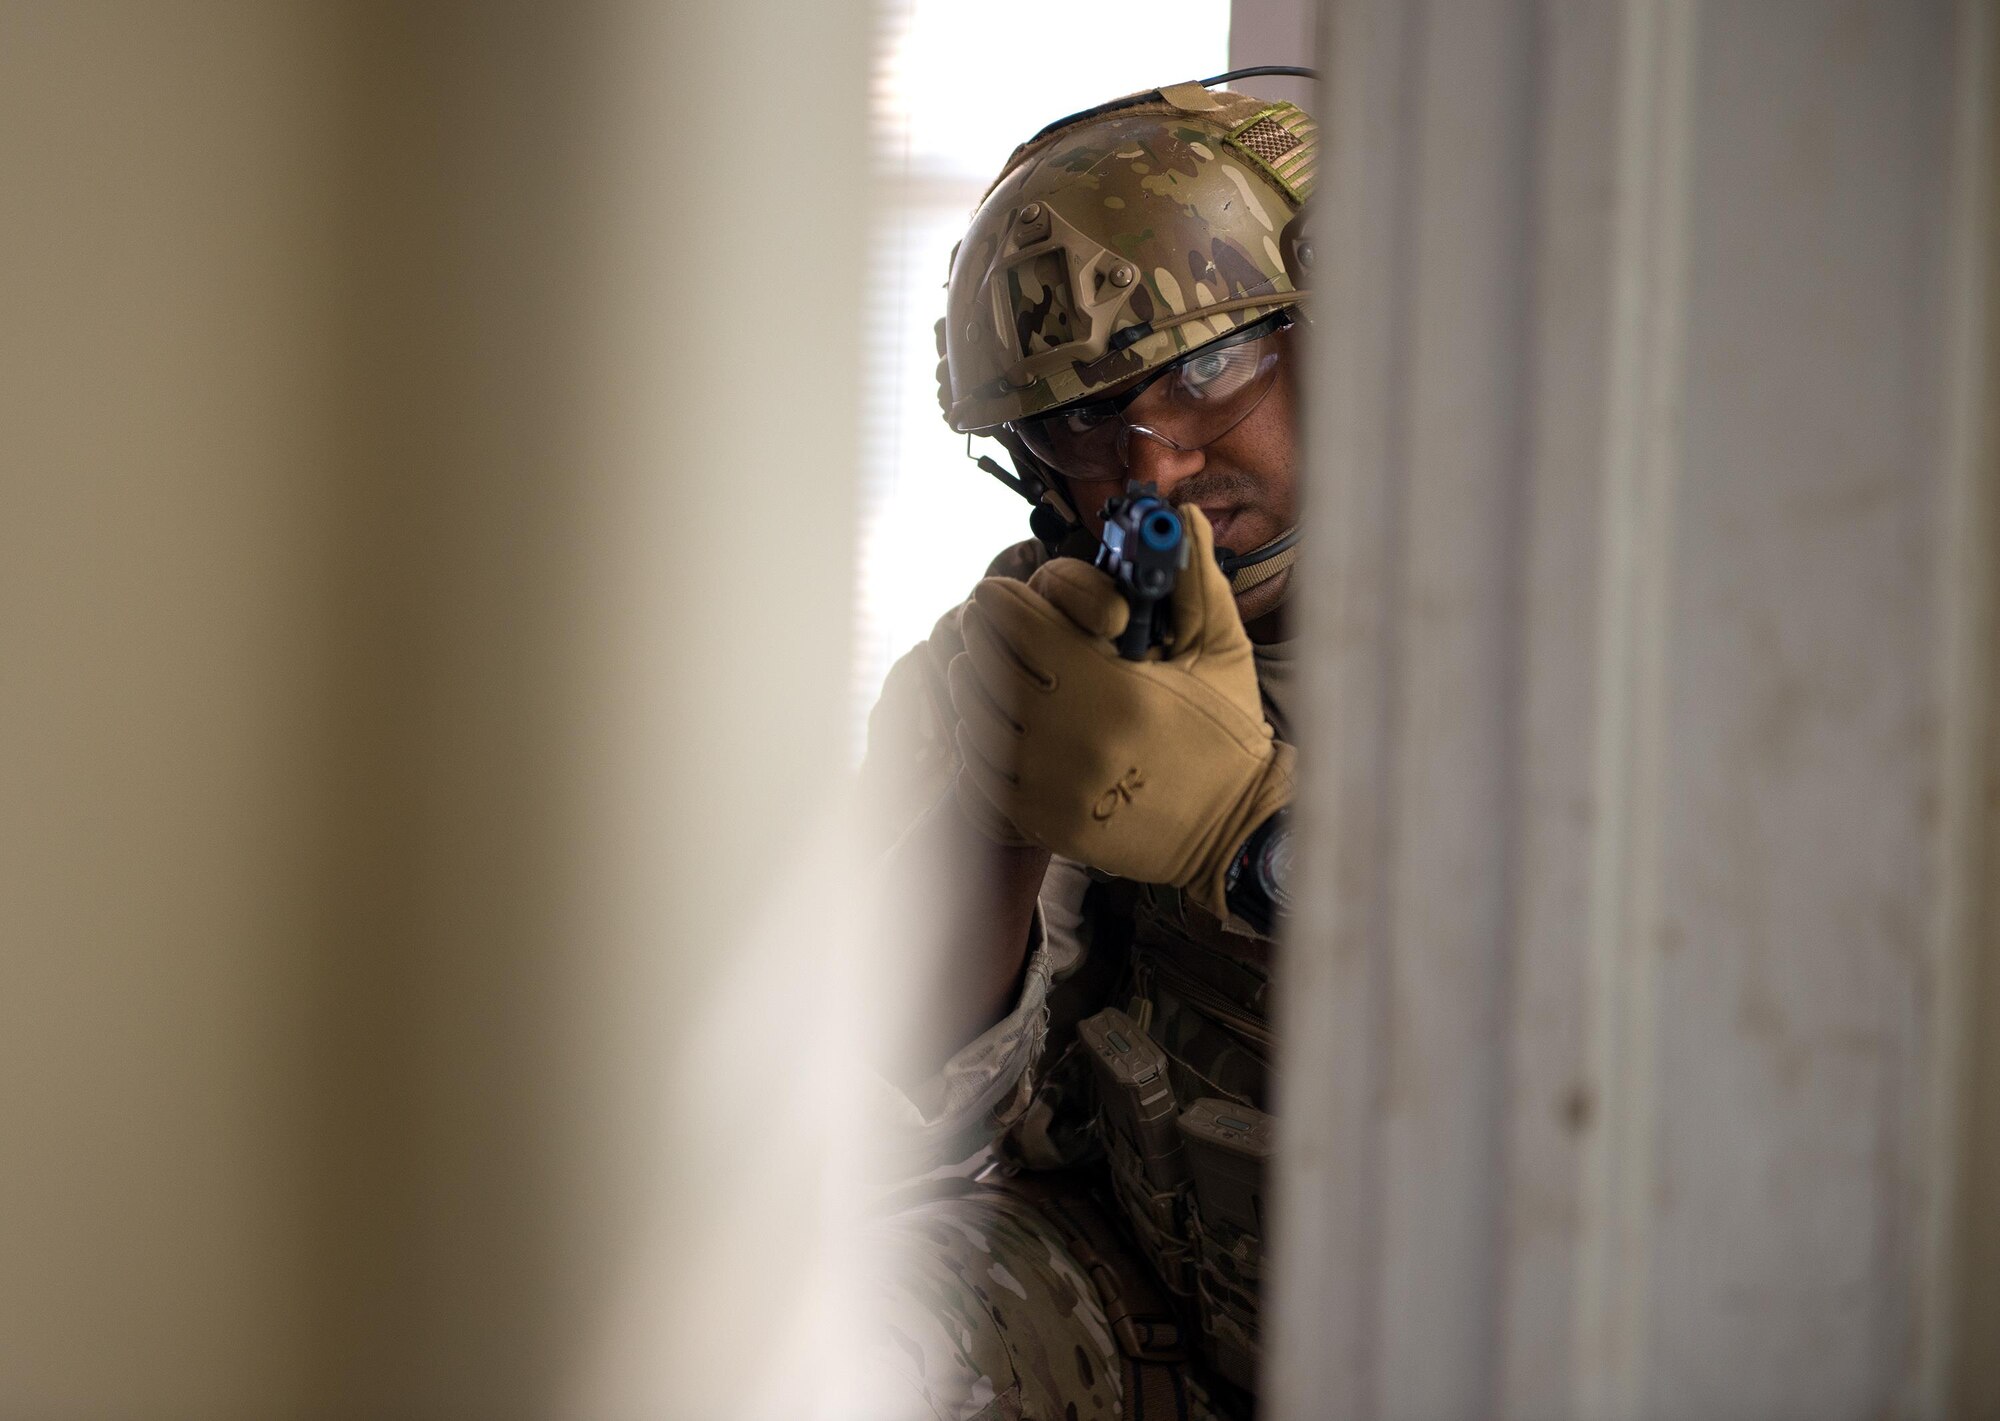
1136,1097
1135,1121
1228,1150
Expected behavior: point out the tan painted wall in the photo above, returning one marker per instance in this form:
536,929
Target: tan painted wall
1977,1351
426,455
1650,631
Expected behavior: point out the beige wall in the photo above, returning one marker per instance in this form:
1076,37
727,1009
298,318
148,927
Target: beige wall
1649,783
172,449
1274,32
1976,1372
425,468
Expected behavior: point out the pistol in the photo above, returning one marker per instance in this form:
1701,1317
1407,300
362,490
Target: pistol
1144,549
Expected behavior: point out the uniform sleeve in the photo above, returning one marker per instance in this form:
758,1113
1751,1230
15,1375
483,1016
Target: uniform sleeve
912,731
911,760
985,1088
912,751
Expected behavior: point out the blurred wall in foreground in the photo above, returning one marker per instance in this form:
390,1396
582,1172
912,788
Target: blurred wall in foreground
1641,1028
426,454
1274,32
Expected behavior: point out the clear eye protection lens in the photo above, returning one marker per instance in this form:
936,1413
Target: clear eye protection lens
1188,405
1207,377
1069,447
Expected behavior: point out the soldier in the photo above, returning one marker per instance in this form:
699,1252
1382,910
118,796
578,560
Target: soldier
1121,310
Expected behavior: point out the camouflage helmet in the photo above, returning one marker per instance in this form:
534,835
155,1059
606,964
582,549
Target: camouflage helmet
1119,239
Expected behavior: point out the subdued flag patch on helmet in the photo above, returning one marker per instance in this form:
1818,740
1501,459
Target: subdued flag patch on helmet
1284,142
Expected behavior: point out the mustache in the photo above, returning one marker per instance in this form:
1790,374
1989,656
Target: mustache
1219,486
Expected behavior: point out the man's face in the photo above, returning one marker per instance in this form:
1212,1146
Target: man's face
1246,481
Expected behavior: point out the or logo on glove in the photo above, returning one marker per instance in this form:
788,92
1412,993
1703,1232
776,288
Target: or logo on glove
1107,803
1153,770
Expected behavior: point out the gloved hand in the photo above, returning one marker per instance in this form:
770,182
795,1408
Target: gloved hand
913,754
1151,770
948,638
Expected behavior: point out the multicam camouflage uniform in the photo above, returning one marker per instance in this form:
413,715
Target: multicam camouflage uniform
988,1311
1133,1068
983,1312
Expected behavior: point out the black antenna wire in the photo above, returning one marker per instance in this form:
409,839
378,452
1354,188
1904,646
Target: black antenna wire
1259,71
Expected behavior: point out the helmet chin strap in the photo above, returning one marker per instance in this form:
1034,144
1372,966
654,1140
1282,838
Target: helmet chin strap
1260,565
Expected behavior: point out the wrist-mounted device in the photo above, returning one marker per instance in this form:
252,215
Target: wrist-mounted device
1258,884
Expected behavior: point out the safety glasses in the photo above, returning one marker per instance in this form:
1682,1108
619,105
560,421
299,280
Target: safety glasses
1186,405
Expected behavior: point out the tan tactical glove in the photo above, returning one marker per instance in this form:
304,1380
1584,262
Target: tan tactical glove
982,813
913,755
1151,770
